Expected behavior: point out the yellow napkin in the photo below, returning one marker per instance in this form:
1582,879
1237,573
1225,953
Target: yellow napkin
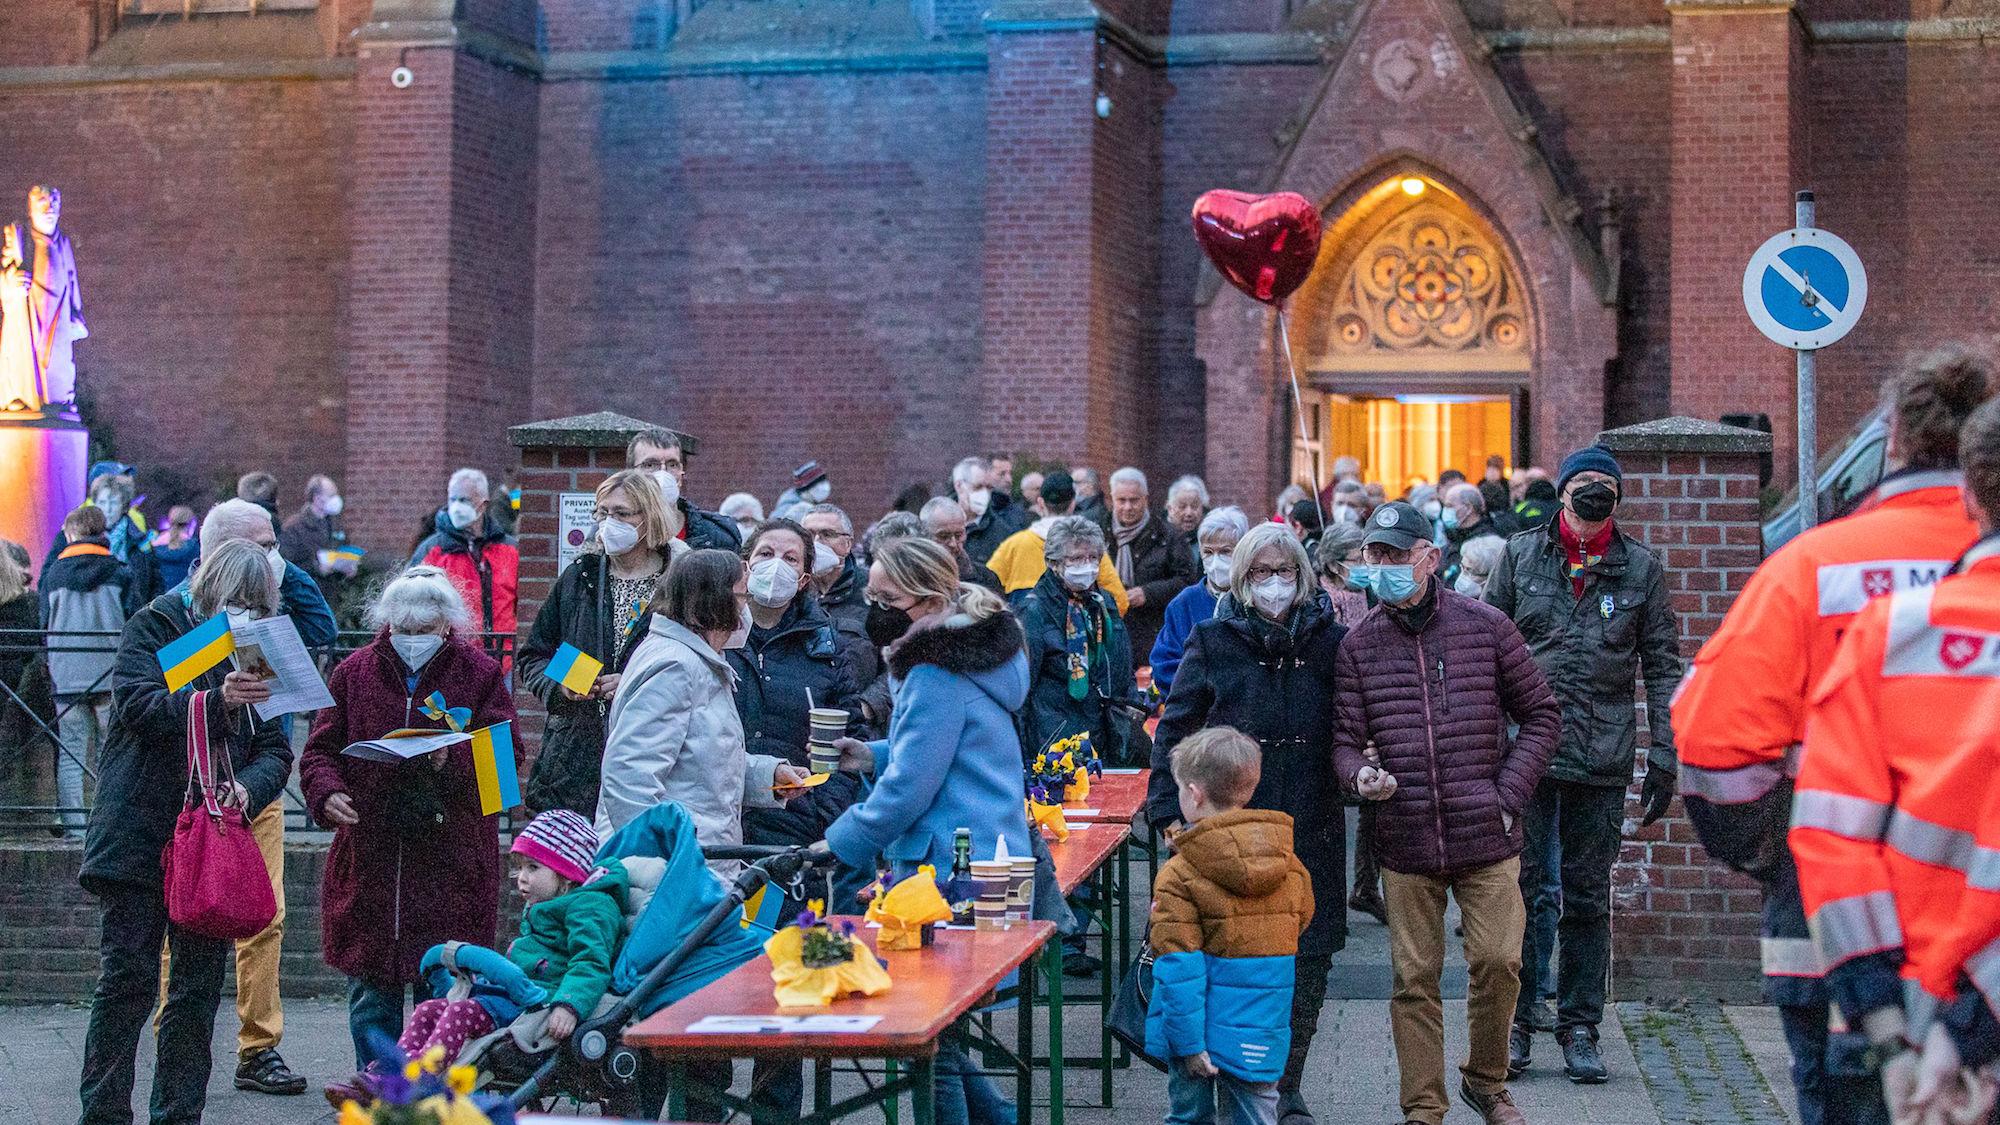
906,908
1049,817
1079,787
799,986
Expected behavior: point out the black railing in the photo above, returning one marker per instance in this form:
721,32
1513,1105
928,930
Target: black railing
37,715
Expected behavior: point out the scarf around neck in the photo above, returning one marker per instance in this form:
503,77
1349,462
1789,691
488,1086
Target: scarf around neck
1124,536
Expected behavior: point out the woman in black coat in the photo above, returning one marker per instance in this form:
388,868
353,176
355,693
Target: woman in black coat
142,776
598,606
1264,665
1079,658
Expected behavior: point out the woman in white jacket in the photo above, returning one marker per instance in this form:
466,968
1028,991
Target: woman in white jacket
675,735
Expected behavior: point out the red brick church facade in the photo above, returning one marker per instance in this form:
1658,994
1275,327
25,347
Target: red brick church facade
883,232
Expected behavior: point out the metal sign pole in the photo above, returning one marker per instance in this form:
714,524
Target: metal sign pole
1808,423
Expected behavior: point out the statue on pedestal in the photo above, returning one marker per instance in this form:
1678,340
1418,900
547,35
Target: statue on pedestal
41,309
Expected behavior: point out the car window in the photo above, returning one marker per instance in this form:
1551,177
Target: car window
1856,477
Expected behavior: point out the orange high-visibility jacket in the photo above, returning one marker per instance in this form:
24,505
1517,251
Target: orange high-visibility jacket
1899,767
1741,709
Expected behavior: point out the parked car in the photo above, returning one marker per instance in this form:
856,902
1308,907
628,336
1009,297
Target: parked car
1846,476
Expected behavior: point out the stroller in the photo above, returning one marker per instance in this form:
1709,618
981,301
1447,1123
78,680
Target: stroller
683,928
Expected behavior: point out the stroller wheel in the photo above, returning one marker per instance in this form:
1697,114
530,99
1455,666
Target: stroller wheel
622,1066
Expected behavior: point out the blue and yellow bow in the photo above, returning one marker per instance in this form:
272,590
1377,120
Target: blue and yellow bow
454,717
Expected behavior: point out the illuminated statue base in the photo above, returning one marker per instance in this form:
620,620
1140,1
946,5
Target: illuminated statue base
43,457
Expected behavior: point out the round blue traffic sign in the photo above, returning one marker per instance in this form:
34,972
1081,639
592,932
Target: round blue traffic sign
1805,288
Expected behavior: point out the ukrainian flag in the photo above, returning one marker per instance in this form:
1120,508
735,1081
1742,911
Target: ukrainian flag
573,669
493,762
761,910
196,651
346,552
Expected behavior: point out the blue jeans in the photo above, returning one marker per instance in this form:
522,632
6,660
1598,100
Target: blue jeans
965,1096
1542,915
1834,1088
375,1008
1194,1100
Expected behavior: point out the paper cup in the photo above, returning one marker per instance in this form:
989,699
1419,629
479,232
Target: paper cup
1021,888
989,915
828,723
822,757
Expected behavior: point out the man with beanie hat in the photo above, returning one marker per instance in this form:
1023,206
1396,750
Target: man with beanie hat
1592,603
1018,561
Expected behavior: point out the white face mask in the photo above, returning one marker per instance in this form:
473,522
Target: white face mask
416,649
1274,595
745,527
977,500
773,583
670,486
1217,568
331,505
1345,513
617,536
1431,509
1079,576
44,223
825,562
818,492
238,614
741,636
461,513
277,562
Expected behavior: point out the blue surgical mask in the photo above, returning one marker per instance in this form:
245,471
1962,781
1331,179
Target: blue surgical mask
1360,576
1395,584
1450,518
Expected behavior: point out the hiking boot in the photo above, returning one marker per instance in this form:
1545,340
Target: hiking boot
1543,1015
264,1071
1369,902
1520,1043
1497,1108
1582,1064
1292,1109
1079,964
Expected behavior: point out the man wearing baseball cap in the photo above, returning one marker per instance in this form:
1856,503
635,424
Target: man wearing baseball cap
1432,679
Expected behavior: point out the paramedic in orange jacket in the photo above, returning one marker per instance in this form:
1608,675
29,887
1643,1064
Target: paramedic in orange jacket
1923,679
1739,715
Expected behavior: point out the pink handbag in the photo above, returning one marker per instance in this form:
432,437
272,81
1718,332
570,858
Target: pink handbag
216,883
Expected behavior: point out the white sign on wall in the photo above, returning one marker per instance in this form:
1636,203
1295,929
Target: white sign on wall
574,510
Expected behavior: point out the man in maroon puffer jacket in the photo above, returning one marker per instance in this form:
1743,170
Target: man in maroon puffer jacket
1431,680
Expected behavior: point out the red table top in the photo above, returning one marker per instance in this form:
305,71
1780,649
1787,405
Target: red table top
932,987
1116,797
1088,848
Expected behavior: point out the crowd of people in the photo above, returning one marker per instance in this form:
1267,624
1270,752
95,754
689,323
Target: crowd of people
1458,661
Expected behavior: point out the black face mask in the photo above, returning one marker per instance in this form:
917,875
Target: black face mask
1593,502
886,626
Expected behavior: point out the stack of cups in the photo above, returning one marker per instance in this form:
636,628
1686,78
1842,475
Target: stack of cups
828,723
992,877
1021,889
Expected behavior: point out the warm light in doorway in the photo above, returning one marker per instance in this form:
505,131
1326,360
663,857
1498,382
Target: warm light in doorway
1412,186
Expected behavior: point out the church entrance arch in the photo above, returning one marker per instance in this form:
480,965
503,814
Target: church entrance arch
1413,339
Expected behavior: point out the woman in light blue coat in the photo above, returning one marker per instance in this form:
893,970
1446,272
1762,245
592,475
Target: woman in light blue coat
958,673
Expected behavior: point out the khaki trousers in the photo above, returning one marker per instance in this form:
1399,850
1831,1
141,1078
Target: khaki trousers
258,1010
1489,900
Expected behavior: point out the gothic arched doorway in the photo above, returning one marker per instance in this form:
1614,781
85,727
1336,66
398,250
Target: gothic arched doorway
1412,340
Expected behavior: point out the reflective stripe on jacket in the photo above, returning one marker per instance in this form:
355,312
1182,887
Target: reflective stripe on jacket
1896,776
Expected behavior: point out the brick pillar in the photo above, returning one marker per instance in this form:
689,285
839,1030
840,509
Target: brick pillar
440,341
1070,263
558,456
1740,145
1682,924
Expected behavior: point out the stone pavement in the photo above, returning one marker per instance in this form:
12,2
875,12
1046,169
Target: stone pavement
1669,1065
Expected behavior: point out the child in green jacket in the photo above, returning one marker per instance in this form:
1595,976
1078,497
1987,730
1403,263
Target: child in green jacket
569,939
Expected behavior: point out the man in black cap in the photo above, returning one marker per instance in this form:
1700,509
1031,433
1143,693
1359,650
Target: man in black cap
1426,685
1593,605
809,487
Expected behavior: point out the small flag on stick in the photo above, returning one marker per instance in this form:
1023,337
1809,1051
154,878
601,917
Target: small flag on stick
493,761
574,669
196,651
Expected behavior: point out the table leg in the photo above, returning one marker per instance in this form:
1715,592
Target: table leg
1024,1042
1053,957
822,1085
891,1107
1107,892
677,1090
923,1098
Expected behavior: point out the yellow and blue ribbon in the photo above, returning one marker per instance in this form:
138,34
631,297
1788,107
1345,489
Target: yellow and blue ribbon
454,718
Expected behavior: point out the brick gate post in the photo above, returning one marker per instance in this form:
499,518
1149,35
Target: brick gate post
1681,923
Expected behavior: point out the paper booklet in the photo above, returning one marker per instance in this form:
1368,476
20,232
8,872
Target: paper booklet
271,650
402,745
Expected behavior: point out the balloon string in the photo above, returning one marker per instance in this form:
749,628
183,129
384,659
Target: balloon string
1299,412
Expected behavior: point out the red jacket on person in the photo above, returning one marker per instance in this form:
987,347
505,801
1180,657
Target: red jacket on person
485,568
423,865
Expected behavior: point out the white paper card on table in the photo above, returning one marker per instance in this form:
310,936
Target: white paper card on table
403,745
782,1025
1082,814
1123,773
271,649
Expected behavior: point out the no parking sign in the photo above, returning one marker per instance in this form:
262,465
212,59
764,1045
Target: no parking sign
1805,288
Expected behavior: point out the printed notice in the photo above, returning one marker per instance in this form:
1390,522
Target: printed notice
783,1025
271,650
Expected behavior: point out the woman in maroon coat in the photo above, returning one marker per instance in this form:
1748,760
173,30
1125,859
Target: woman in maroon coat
413,861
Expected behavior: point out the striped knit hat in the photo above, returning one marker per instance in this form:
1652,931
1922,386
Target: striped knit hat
561,841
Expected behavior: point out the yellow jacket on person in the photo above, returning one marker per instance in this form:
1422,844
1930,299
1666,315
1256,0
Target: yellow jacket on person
1019,563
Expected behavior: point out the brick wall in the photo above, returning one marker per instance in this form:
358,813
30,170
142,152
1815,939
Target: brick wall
1682,924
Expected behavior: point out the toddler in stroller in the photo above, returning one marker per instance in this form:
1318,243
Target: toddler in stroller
562,961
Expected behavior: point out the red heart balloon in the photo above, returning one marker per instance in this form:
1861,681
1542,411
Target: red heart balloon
1264,244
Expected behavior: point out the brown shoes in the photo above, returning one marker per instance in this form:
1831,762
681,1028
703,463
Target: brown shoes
1497,1108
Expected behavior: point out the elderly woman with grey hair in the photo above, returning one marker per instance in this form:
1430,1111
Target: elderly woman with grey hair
1264,665
1079,659
1215,542
414,860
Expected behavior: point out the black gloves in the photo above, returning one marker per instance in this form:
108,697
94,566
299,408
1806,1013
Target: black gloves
1656,793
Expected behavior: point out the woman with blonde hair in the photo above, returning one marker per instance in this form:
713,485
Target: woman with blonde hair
952,760
598,606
